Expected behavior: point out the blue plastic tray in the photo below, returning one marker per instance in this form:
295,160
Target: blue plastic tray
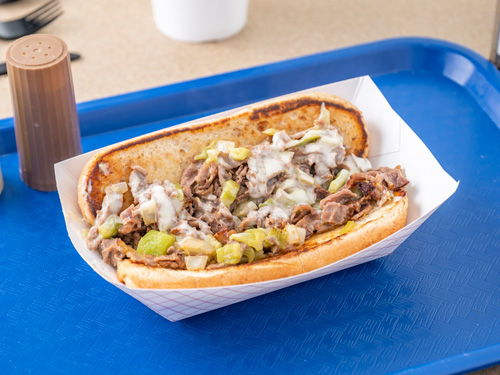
431,307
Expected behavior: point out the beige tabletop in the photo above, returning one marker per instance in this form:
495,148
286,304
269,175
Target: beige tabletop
122,50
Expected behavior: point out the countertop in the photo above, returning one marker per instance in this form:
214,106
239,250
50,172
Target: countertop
122,51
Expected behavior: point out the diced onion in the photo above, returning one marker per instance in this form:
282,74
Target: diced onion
120,188
295,235
297,196
225,146
148,212
196,262
304,177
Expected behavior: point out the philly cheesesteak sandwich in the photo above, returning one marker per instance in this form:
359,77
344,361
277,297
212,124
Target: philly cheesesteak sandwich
277,190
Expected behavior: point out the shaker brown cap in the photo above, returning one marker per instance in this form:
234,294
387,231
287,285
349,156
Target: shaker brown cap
45,116
36,51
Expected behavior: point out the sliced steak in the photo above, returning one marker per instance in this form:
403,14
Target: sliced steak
220,219
240,174
223,219
174,260
113,250
364,209
394,178
374,178
299,212
93,238
334,213
188,178
206,178
223,235
310,222
131,220
342,196
265,217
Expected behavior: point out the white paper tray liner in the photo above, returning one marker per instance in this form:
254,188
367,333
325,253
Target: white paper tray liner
392,143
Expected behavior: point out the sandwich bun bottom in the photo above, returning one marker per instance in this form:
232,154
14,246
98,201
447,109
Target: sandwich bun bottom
318,251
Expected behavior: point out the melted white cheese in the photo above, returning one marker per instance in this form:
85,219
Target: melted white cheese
137,183
166,213
356,164
264,164
111,204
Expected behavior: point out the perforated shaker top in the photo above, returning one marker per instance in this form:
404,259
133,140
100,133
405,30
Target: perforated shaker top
37,51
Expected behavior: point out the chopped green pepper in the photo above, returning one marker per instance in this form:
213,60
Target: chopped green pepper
229,254
270,131
339,181
229,191
244,208
193,245
280,236
239,153
250,254
203,154
180,193
110,226
349,226
309,137
251,237
155,243
260,255
268,202
212,156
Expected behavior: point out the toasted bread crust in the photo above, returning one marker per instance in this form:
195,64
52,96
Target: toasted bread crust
318,251
166,153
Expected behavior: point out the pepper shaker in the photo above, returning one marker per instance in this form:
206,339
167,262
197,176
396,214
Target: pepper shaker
45,117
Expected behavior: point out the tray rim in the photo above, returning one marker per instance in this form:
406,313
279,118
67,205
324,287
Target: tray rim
483,65
89,111
466,362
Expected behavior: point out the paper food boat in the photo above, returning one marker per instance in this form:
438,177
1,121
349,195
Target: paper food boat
392,143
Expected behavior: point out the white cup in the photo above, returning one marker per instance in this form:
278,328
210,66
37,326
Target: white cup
200,20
